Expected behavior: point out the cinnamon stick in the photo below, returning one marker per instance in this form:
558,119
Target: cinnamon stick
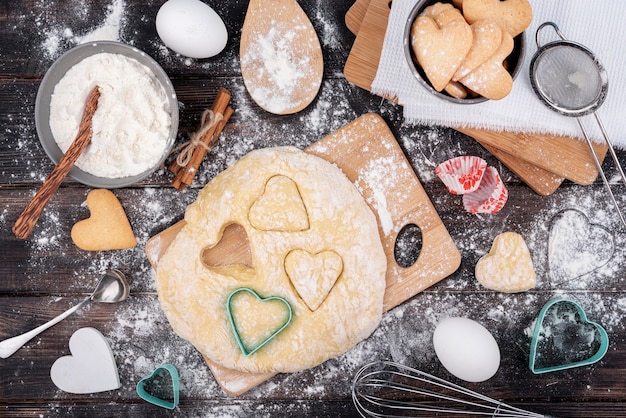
188,175
33,210
183,176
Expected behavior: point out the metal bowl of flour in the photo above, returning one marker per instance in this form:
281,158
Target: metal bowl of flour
57,71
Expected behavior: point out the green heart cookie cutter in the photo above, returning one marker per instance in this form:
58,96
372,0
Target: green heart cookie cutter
604,339
170,371
247,351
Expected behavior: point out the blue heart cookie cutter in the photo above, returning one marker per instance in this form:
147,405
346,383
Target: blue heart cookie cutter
168,370
604,339
247,351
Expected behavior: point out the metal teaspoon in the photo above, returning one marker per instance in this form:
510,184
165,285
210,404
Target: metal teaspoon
111,288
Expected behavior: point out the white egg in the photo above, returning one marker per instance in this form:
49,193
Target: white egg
466,349
191,28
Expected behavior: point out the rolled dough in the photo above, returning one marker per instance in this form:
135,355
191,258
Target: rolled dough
280,185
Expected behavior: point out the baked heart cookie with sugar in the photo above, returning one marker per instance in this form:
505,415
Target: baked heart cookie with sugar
514,16
440,50
491,79
486,41
107,228
508,267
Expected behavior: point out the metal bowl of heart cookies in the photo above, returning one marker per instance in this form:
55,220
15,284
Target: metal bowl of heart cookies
136,121
466,51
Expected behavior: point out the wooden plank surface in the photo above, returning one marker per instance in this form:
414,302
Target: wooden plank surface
47,274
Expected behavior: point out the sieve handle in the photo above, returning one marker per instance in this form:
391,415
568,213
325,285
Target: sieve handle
599,164
554,26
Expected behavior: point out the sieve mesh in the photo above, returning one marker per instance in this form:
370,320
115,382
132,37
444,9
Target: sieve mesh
568,77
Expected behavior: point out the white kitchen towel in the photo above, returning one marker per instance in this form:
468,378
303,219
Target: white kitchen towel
597,24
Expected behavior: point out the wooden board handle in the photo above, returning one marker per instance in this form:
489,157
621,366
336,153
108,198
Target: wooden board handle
31,213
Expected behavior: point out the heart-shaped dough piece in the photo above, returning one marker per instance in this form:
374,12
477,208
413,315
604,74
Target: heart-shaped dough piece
577,247
508,267
256,320
280,207
491,79
90,369
513,16
107,228
487,39
440,50
313,275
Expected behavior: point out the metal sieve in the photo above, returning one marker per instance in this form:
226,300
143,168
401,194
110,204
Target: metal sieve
569,79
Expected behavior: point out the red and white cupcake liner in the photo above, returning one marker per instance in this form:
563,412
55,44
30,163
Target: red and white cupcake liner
463,174
481,186
490,196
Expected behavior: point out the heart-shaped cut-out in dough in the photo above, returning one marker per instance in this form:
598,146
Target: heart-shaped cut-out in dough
508,267
256,320
440,50
232,255
313,275
161,387
513,16
563,338
280,207
577,247
107,228
90,369
490,79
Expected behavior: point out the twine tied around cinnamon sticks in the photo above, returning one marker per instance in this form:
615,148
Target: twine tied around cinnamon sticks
192,153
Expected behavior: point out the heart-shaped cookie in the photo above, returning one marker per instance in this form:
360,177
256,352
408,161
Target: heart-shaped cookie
491,79
435,9
256,320
161,387
280,207
563,338
313,275
513,16
487,38
508,267
577,247
440,50
90,369
107,228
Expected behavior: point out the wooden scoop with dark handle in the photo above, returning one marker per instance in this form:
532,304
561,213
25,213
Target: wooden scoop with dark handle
31,213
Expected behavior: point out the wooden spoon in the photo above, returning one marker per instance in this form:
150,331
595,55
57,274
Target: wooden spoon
31,213
280,56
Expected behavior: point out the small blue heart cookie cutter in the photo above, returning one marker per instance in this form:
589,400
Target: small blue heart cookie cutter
169,370
597,356
247,351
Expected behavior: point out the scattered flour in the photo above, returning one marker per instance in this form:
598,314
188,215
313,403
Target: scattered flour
142,339
58,38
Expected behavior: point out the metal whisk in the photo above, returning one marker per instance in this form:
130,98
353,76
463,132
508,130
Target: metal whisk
388,389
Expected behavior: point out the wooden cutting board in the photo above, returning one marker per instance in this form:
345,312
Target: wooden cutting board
541,161
371,158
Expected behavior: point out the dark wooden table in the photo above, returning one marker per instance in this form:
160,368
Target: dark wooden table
46,274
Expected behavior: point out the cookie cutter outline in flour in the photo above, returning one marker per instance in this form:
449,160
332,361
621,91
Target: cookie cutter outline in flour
248,351
604,339
169,370
559,215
